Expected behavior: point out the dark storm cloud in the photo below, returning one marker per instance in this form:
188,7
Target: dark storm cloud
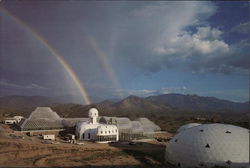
150,36
158,39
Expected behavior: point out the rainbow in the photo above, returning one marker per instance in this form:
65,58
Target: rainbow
59,58
106,65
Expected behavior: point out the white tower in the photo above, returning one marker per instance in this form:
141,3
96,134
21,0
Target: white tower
93,114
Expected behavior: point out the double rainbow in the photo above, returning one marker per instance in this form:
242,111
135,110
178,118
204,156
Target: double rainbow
59,58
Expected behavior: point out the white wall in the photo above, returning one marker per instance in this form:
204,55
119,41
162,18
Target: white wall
49,137
10,121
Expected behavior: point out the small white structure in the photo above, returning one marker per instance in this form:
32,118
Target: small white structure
210,145
18,118
49,137
70,137
9,121
92,130
13,120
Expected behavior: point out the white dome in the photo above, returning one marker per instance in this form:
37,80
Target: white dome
186,126
93,112
209,145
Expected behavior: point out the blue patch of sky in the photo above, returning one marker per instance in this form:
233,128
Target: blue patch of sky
229,15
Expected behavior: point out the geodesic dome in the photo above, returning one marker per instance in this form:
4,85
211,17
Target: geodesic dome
186,126
210,145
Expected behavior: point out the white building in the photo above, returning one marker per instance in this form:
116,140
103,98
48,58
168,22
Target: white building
49,137
210,145
13,120
92,130
9,121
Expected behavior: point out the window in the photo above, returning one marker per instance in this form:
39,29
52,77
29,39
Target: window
201,130
88,135
101,132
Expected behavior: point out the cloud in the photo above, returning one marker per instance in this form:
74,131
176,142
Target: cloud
150,92
242,28
148,35
157,37
205,43
138,38
122,93
8,84
237,95
167,90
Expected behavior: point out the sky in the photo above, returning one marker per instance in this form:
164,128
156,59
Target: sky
122,48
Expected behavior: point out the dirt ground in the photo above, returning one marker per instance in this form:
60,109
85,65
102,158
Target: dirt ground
19,150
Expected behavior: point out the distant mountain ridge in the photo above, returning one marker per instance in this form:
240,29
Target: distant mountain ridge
199,103
167,103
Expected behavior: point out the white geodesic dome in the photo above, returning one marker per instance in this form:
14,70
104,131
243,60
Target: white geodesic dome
209,145
186,126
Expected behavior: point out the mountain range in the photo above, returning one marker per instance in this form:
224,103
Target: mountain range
167,103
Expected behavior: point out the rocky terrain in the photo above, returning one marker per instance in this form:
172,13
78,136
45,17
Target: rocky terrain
20,150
